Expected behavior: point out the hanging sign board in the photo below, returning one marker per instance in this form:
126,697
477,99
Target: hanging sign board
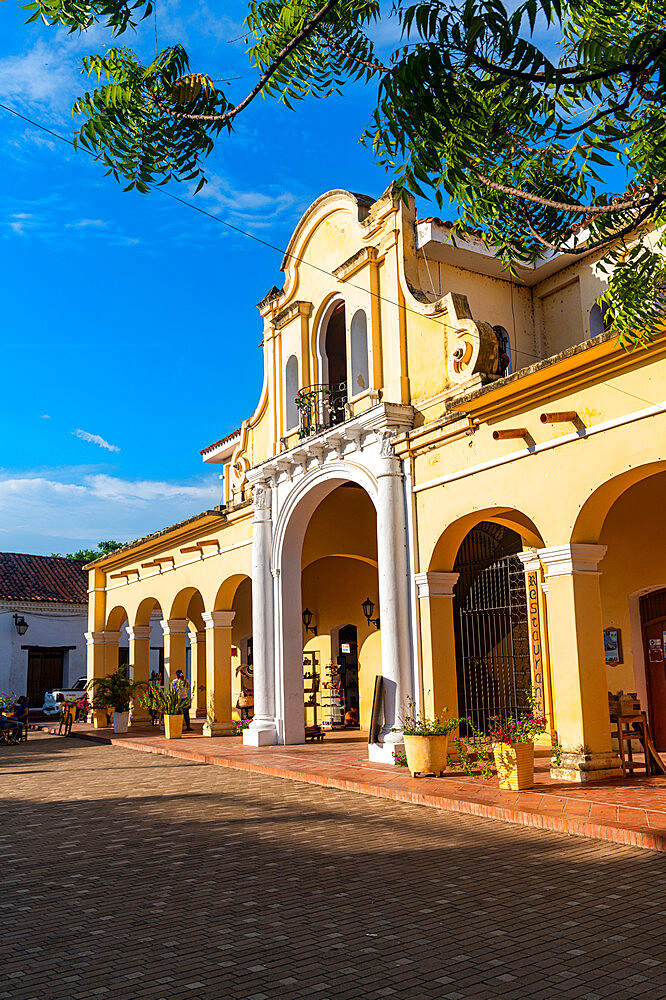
536,652
613,646
345,647
656,651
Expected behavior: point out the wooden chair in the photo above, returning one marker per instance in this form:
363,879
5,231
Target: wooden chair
632,727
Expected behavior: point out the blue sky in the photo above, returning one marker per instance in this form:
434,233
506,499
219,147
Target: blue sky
131,335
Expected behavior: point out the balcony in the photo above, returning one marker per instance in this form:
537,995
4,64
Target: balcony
321,407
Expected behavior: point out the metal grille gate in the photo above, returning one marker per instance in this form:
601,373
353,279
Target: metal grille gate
492,650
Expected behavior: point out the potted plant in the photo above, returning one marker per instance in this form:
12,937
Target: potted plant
426,741
171,703
115,692
513,748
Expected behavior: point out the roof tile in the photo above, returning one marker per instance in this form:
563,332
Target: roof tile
42,578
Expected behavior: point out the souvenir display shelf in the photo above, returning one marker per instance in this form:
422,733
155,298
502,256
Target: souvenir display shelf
311,683
332,709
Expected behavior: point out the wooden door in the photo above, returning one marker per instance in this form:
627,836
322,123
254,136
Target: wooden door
45,667
653,617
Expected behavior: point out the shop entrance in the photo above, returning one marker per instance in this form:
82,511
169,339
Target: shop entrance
491,631
653,623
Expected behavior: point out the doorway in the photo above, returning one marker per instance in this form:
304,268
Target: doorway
491,630
336,355
653,625
45,671
347,662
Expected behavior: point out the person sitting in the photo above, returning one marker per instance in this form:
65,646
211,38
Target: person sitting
21,713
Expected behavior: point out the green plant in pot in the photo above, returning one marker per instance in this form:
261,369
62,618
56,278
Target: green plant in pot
115,692
426,740
172,702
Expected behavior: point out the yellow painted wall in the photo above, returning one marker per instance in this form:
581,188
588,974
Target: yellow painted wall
635,533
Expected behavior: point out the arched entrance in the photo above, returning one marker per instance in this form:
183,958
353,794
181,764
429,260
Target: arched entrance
653,634
491,627
338,572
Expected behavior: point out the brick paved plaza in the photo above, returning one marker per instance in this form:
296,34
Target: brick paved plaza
136,876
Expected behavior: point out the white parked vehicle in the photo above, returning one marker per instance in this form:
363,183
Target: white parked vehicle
74,693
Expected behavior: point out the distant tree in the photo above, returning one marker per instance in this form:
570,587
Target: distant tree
516,126
88,555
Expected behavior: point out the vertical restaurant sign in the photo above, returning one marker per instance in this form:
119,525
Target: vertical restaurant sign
536,649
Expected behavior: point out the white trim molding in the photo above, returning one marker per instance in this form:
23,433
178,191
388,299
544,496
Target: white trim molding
564,560
174,626
218,619
435,584
138,632
530,560
94,638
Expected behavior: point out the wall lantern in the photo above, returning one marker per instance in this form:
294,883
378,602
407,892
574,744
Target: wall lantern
368,607
21,624
307,621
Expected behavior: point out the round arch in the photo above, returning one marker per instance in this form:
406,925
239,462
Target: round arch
319,330
306,497
289,535
227,591
590,520
116,618
180,606
446,548
146,609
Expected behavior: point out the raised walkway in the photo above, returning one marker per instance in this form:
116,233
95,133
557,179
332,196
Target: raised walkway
625,811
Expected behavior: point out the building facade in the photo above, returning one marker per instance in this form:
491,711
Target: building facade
453,480
43,619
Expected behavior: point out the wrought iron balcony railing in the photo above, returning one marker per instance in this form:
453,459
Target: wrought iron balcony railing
320,407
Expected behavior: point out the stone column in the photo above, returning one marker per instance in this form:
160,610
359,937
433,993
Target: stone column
438,643
139,654
198,674
111,644
542,690
393,598
262,730
218,673
175,645
580,687
96,667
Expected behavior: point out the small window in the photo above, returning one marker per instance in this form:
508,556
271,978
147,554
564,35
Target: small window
598,319
504,362
291,391
359,353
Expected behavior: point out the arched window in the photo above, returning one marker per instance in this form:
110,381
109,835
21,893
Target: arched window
336,350
359,353
290,390
598,319
504,366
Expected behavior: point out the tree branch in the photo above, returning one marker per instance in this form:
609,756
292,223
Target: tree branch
615,207
228,116
350,55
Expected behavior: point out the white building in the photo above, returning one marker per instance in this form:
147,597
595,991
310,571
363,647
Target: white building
48,594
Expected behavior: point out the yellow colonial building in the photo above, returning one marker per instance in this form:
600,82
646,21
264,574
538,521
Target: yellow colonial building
453,480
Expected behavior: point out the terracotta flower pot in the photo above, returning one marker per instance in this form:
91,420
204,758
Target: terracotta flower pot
426,754
515,765
173,726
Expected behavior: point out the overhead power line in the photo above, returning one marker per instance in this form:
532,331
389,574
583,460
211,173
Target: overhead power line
269,245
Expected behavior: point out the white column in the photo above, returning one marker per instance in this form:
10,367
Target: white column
393,599
262,730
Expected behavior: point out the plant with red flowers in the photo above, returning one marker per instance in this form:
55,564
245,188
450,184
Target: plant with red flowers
521,730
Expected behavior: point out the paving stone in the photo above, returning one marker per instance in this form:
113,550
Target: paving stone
140,877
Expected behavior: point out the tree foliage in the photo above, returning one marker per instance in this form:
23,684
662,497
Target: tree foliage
518,115
89,555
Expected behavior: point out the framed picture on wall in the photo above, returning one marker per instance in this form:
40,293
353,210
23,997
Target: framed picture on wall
613,646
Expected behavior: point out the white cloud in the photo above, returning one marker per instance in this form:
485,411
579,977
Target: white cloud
46,416
44,74
259,207
88,224
41,512
94,439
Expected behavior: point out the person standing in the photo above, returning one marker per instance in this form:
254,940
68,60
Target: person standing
180,684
